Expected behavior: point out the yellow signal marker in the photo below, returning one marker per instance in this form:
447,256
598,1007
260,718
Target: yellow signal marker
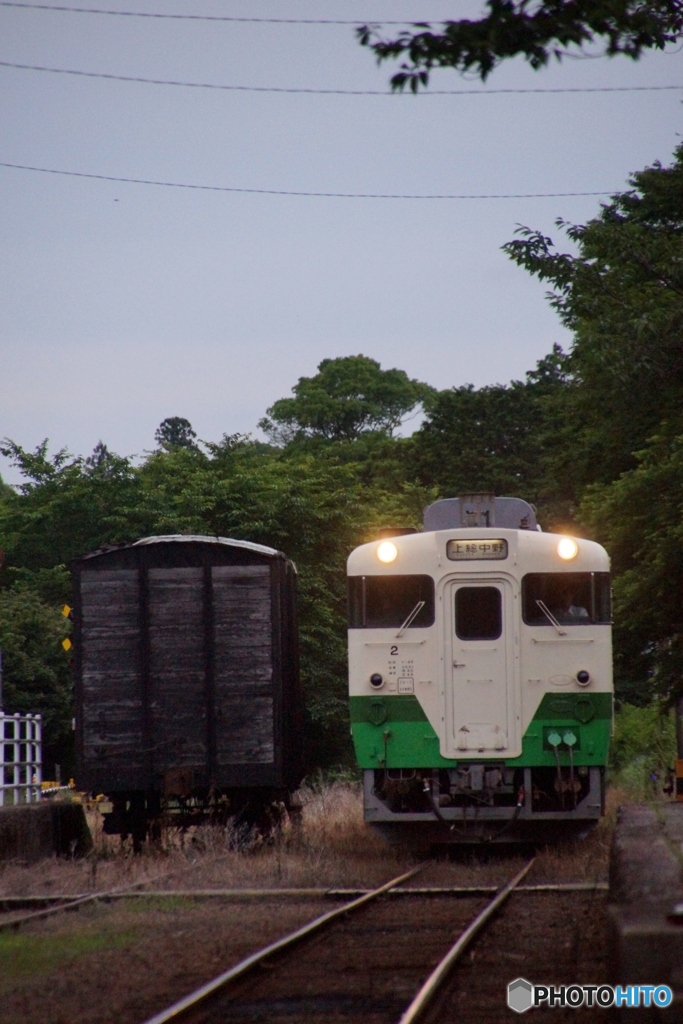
66,644
66,611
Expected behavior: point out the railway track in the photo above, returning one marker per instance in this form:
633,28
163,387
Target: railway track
47,905
355,965
67,903
9,903
364,965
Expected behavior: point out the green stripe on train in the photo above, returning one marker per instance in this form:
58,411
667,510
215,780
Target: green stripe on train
394,732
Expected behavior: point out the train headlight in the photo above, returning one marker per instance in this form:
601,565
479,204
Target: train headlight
567,548
387,551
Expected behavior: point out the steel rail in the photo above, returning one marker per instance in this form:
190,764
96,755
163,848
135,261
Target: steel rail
36,915
199,995
468,890
440,972
8,903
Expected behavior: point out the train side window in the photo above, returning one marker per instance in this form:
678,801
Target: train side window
572,598
380,602
478,613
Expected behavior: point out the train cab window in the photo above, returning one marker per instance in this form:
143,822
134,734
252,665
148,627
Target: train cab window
478,613
377,602
571,598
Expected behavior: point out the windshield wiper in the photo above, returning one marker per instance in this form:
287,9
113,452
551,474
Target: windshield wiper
415,612
551,618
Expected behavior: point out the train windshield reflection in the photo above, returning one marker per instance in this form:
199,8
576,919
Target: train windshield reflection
573,598
380,602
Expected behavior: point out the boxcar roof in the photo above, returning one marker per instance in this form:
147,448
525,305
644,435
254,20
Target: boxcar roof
260,549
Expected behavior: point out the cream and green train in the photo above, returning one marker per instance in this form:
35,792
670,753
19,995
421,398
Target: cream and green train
480,676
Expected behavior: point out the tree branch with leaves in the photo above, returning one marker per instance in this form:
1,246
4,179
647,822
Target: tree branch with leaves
535,30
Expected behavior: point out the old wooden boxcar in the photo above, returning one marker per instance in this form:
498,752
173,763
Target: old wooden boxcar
186,678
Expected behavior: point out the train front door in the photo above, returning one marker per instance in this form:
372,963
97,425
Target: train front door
480,679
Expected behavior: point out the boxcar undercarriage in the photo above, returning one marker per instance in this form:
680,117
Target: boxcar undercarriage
142,815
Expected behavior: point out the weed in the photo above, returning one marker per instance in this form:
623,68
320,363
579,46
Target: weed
643,749
24,954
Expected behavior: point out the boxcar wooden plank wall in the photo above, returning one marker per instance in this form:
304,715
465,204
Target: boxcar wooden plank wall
177,667
243,674
112,672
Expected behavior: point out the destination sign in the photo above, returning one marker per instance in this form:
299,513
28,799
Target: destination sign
466,550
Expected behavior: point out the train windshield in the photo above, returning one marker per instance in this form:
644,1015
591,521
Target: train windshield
380,602
571,598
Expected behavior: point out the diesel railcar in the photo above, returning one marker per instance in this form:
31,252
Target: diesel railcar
187,692
480,676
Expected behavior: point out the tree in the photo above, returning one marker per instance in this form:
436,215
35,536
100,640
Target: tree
348,396
7,493
622,296
639,517
621,428
175,432
66,507
500,438
36,676
101,462
537,31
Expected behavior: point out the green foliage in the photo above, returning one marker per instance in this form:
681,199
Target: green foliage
622,415
644,743
7,493
348,397
622,296
36,674
175,432
66,507
500,438
537,32
639,517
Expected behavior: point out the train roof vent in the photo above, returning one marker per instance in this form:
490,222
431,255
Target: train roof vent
477,510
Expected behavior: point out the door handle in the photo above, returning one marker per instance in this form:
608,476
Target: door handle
459,664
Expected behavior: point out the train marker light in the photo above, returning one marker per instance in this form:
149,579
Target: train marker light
376,680
567,548
387,552
583,677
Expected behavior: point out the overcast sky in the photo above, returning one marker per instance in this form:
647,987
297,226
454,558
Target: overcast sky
122,304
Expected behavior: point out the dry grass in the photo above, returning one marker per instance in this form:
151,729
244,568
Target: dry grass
329,847
582,860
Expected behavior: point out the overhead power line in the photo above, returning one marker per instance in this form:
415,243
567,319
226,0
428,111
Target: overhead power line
210,17
330,92
288,192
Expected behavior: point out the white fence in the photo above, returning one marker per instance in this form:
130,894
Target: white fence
20,758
